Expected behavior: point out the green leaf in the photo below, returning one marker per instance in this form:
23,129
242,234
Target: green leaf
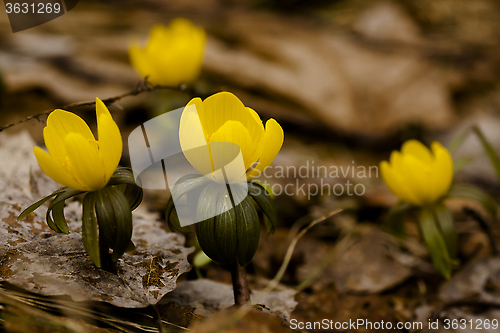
187,184
458,141
461,163
263,199
495,160
247,226
89,229
114,205
59,223
269,225
130,247
123,176
124,226
59,219
474,193
40,202
446,224
225,231
201,259
435,243
173,219
206,233
489,150
66,194
106,216
133,193
394,221
52,225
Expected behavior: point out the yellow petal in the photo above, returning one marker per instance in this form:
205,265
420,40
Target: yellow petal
271,143
84,161
402,184
140,61
59,124
55,170
152,56
417,176
54,143
255,116
225,106
192,140
185,53
389,178
443,169
394,182
109,138
257,151
417,149
173,55
64,122
200,115
396,161
232,137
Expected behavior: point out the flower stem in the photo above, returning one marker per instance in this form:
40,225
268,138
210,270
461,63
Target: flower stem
240,284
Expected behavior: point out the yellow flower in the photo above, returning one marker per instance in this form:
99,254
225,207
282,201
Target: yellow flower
173,54
417,175
76,159
222,118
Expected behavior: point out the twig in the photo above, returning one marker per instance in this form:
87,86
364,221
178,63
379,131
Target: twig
485,227
140,88
240,284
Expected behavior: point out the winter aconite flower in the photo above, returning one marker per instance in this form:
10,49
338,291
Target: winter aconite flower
84,165
422,178
417,175
76,159
220,133
173,55
224,119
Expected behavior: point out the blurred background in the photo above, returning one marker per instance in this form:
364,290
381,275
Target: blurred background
348,80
